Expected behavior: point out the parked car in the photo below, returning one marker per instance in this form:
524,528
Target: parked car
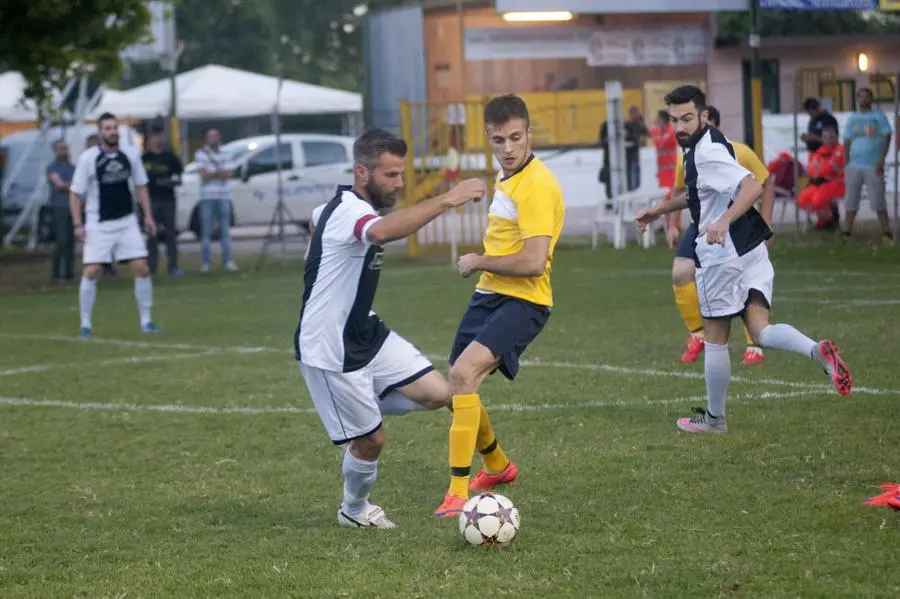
312,165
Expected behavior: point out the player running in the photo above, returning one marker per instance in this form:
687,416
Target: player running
512,299
111,231
683,266
734,274
356,369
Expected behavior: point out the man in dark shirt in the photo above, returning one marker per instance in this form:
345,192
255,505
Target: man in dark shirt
59,177
164,174
635,133
819,120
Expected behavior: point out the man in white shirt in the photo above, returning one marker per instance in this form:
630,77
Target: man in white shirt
734,275
215,206
355,367
110,231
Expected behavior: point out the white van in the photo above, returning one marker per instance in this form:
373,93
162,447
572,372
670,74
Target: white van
313,165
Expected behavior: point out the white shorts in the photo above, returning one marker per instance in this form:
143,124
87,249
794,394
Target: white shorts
724,288
349,402
113,240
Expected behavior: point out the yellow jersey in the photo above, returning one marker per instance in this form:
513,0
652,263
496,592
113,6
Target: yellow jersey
528,203
746,157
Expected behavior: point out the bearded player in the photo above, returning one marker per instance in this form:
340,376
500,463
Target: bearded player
734,275
683,267
355,367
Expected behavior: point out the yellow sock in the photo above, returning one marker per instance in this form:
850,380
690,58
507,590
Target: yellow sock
688,303
486,443
747,336
463,433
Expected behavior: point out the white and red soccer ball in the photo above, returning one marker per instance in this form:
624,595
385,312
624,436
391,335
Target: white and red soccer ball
489,520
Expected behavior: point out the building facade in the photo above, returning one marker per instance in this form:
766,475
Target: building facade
466,50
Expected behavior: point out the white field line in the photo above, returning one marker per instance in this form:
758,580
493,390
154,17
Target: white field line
786,294
827,276
515,408
839,303
138,344
651,372
110,362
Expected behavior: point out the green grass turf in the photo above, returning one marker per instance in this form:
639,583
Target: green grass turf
615,502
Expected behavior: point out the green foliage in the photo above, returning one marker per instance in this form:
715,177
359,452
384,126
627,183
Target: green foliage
225,32
48,40
215,478
312,41
782,23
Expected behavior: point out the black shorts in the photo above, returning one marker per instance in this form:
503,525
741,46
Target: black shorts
503,324
686,247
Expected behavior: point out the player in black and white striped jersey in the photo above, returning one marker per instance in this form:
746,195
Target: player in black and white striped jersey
110,232
734,275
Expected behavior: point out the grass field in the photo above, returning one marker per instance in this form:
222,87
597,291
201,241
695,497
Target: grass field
190,464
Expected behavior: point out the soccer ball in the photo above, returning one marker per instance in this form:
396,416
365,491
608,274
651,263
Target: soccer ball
489,519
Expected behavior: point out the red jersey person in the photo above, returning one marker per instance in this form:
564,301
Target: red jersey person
667,157
826,176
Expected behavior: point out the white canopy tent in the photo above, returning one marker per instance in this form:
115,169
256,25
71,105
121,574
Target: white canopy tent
13,107
12,89
217,92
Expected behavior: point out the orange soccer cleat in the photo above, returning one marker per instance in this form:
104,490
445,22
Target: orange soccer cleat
753,356
485,480
890,498
451,507
693,347
839,372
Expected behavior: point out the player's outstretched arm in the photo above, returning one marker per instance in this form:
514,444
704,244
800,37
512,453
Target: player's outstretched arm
405,222
648,215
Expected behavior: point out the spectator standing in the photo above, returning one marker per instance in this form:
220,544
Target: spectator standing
164,173
59,176
819,120
635,132
867,139
215,171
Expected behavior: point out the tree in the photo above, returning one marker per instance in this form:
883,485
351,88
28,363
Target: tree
47,41
782,23
232,33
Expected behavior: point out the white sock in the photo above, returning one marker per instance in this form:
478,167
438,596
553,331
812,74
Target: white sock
359,477
87,293
786,337
397,404
143,293
717,367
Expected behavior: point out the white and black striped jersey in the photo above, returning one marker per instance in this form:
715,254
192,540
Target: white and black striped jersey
102,179
713,177
337,329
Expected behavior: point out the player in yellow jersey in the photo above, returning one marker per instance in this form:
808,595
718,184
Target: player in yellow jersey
512,299
683,267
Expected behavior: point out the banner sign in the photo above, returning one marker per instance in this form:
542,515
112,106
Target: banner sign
648,46
858,5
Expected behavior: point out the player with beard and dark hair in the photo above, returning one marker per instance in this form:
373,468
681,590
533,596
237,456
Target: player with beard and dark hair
734,275
102,185
356,369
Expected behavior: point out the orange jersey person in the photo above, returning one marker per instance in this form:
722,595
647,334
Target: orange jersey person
826,175
666,150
